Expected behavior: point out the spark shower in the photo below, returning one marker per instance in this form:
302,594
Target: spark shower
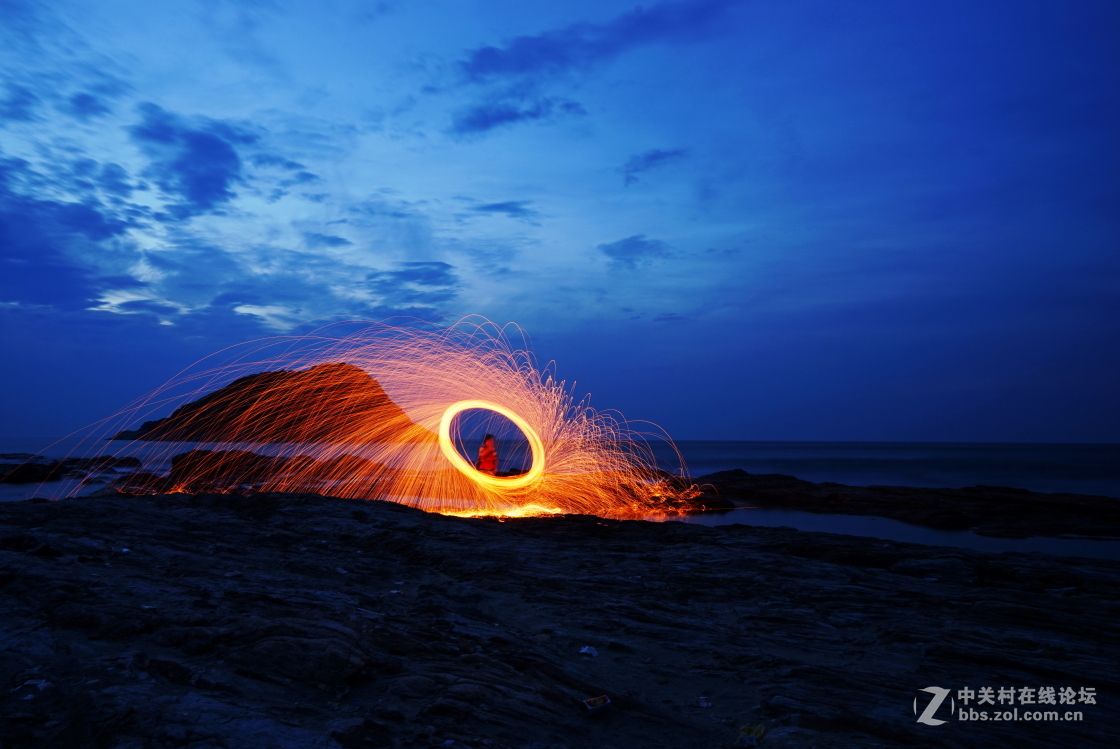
432,384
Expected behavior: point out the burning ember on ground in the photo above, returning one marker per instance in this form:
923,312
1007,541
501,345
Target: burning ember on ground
398,412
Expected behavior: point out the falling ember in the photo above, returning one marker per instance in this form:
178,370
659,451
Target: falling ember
378,413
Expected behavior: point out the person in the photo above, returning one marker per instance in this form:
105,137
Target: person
487,456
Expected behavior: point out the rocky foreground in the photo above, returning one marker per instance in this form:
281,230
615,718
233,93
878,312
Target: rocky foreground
987,510
302,621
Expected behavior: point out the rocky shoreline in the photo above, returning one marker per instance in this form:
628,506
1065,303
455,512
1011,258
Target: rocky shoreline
299,620
986,510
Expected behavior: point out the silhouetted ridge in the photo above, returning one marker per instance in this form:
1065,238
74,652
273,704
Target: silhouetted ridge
327,403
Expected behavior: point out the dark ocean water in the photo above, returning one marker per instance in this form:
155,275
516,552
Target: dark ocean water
1074,468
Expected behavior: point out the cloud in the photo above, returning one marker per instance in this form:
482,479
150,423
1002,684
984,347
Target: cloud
197,164
272,315
85,106
521,65
271,159
84,219
73,245
19,104
512,208
632,252
68,245
643,162
487,116
190,273
416,284
300,178
314,240
43,241
278,287
581,45
124,302
303,286
668,317
114,179
84,177
492,256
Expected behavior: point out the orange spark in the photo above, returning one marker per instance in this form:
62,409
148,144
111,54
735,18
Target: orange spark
376,413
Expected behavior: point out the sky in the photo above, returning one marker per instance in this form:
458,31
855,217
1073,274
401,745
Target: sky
756,220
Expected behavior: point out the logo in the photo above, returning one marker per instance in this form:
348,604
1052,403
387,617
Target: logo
939,695
1007,704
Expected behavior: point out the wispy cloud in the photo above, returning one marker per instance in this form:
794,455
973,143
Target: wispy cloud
581,45
669,317
511,208
275,160
42,242
19,104
198,164
516,71
485,116
643,162
85,106
633,252
88,247
415,284
314,239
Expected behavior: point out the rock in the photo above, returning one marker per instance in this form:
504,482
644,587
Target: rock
413,686
29,473
474,694
363,733
987,510
339,403
314,661
174,672
948,567
825,639
37,469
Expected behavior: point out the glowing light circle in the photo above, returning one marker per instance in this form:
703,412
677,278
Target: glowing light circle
468,470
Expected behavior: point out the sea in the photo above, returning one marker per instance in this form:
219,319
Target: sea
1059,467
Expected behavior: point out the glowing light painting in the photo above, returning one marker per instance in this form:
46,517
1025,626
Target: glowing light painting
389,411
450,452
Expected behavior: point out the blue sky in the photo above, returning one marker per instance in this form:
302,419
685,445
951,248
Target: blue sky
739,220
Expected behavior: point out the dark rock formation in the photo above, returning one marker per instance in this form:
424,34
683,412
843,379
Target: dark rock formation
296,620
224,470
326,403
36,469
229,468
987,510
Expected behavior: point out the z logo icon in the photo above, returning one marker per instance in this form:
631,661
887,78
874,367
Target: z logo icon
939,695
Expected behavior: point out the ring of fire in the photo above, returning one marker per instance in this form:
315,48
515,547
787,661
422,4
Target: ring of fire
468,470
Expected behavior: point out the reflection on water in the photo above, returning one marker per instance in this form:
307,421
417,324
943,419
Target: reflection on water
894,530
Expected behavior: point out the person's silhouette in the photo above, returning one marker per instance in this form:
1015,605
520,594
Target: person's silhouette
487,456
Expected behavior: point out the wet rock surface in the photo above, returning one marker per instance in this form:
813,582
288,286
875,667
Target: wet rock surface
987,510
279,620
